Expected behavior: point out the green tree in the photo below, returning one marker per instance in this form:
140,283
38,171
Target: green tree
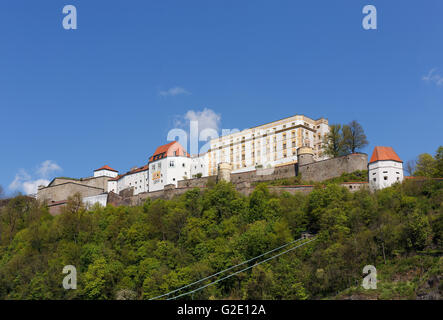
426,166
416,231
354,138
439,164
333,141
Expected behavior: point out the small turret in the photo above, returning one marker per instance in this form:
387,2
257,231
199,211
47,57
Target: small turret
305,155
224,172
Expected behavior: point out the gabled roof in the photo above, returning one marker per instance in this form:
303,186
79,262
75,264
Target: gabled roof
136,170
106,167
162,151
384,153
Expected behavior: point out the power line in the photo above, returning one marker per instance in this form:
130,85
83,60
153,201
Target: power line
235,273
230,268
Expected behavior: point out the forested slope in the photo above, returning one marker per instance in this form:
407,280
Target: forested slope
152,249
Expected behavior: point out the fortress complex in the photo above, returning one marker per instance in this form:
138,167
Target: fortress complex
276,150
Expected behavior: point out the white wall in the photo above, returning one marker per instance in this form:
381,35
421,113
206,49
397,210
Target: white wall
112,186
138,180
101,199
199,165
169,170
383,174
105,173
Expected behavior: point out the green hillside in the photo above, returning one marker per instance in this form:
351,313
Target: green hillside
141,252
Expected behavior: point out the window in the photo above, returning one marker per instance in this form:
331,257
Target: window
171,164
375,179
183,165
159,165
173,179
385,178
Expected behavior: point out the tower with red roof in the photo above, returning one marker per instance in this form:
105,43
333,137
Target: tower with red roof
105,171
385,168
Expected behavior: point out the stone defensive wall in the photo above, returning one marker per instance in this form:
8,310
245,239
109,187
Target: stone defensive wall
243,182
332,168
62,191
61,188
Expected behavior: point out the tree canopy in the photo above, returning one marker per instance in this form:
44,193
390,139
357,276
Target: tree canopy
144,251
346,139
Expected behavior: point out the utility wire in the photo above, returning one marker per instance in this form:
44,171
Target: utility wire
223,271
231,275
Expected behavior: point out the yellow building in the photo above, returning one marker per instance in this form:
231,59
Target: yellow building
269,145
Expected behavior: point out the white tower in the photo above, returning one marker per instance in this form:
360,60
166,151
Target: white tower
385,168
105,171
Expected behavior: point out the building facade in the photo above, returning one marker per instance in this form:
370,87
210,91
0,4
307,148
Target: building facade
136,178
385,168
269,145
169,164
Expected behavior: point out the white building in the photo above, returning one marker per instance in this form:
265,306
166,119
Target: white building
269,145
105,171
137,178
199,165
385,168
169,164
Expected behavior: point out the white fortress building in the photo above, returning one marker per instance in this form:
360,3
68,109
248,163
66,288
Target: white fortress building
169,164
385,168
269,145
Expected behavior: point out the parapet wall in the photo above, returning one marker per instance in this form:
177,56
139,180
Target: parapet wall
270,174
317,171
332,168
63,191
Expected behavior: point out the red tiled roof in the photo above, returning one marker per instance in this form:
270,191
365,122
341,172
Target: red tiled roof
106,167
384,153
355,182
164,151
144,168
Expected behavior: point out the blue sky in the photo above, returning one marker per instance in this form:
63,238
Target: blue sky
109,92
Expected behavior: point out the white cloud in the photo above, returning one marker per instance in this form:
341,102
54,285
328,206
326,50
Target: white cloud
30,187
207,119
433,77
20,177
28,184
47,167
174,91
